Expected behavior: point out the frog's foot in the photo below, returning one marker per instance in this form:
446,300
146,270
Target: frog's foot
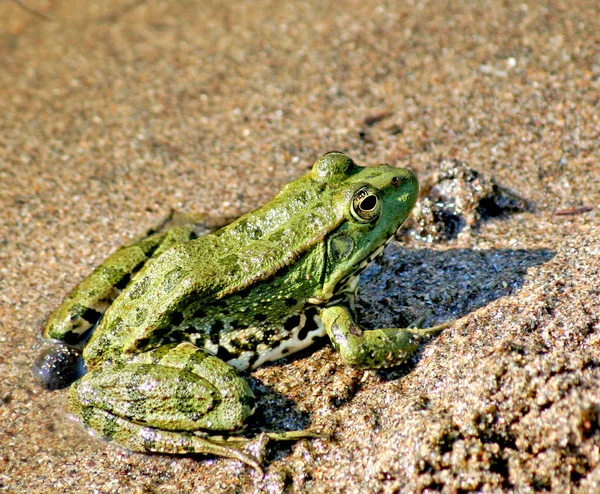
260,443
429,332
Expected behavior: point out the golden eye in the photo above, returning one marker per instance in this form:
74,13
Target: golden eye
365,205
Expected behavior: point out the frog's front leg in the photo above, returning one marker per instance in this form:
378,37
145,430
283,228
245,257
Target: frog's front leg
372,348
167,400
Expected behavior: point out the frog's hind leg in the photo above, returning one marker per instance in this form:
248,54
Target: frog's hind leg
146,439
72,322
88,301
168,400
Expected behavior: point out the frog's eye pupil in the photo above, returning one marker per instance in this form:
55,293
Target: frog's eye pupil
368,203
365,205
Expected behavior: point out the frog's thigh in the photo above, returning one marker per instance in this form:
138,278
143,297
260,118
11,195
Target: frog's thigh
173,388
371,348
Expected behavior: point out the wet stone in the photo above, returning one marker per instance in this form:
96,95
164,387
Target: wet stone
456,199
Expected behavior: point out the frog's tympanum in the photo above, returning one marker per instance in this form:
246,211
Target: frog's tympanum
173,317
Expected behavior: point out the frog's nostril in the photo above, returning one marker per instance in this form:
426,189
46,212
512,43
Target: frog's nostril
396,181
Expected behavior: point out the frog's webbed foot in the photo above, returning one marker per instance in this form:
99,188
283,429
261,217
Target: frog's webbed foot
259,444
373,348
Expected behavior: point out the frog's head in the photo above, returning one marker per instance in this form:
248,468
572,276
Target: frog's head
373,201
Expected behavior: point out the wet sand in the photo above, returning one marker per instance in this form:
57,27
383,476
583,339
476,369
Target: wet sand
112,114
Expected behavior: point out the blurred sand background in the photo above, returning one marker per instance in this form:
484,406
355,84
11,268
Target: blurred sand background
113,113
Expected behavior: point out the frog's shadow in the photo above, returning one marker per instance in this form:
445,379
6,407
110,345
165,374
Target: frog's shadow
274,411
442,285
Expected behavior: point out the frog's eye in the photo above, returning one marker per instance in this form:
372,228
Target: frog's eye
365,205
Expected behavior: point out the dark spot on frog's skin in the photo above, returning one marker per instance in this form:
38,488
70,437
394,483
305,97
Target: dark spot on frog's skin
276,236
110,428
215,330
140,315
260,317
252,360
142,342
285,351
254,340
225,354
292,322
355,330
268,332
309,327
235,324
138,266
196,359
241,225
92,316
255,233
123,282
184,399
176,318
161,351
227,378
291,302
230,262
139,288
236,344
199,314
87,413
171,279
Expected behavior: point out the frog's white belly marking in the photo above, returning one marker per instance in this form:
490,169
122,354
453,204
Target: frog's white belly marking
283,342
294,343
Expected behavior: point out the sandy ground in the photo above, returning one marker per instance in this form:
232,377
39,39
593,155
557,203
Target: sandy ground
114,113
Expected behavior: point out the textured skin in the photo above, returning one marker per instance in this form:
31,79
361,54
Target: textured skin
258,288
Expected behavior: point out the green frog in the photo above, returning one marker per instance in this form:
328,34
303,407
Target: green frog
174,317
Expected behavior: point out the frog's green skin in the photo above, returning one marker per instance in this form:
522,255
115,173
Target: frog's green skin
162,360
